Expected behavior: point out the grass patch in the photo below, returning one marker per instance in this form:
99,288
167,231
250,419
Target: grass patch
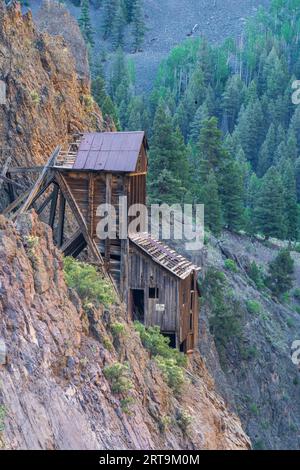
88,283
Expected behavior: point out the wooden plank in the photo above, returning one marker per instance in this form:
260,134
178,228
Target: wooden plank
53,206
108,186
25,170
39,183
61,219
5,179
16,202
91,193
44,204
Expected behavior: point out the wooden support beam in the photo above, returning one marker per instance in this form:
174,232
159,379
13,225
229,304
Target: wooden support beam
40,181
25,170
48,199
74,245
61,220
64,187
53,205
91,204
108,191
6,179
16,202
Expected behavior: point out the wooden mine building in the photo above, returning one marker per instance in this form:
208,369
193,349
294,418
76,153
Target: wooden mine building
158,285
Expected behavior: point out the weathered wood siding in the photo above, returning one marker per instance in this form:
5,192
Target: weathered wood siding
143,274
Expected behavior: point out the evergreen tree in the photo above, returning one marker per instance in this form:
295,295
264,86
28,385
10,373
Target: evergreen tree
118,28
267,151
85,23
138,25
232,195
196,126
167,152
104,101
290,201
269,209
212,205
212,155
281,270
232,100
110,8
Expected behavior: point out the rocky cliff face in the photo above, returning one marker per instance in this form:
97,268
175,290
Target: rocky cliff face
46,101
252,364
53,392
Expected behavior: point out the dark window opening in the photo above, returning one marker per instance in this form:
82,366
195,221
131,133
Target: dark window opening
153,292
138,305
184,297
192,284
172,338
192,300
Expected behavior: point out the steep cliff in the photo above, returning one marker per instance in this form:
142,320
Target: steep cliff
54,392
45,99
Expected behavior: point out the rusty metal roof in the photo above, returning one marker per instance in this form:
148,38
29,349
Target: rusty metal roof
109,151
163,255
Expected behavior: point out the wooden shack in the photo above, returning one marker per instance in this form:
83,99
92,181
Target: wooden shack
158,285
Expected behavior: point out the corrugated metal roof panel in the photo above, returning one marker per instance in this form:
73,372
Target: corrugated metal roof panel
109,151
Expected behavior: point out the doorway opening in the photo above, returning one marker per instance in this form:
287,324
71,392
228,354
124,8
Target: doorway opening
172,338
138,305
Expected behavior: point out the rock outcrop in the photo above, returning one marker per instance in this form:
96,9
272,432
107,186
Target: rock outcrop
53,389
46,101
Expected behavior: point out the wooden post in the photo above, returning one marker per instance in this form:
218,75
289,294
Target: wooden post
11,191
53,205
108,190
91,204
61,220
124,268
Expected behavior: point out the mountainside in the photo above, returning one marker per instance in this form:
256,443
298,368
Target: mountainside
55,390
46,101
167,24
250,356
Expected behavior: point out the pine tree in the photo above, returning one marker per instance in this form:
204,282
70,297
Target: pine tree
196,126
290,201
232,195
212,205
104,101
118,28
232,101
267,151
281,271
85,23
138,25
269,210
168,153
110,8
212,155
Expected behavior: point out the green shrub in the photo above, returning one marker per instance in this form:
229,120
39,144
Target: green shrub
107,343
118,329
230,265
118,376
296,381
184,420
253,307
126,404
297,309
158,345
35,97
253,409
88,283
172,373
296,293
255,273
164,423
290,323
